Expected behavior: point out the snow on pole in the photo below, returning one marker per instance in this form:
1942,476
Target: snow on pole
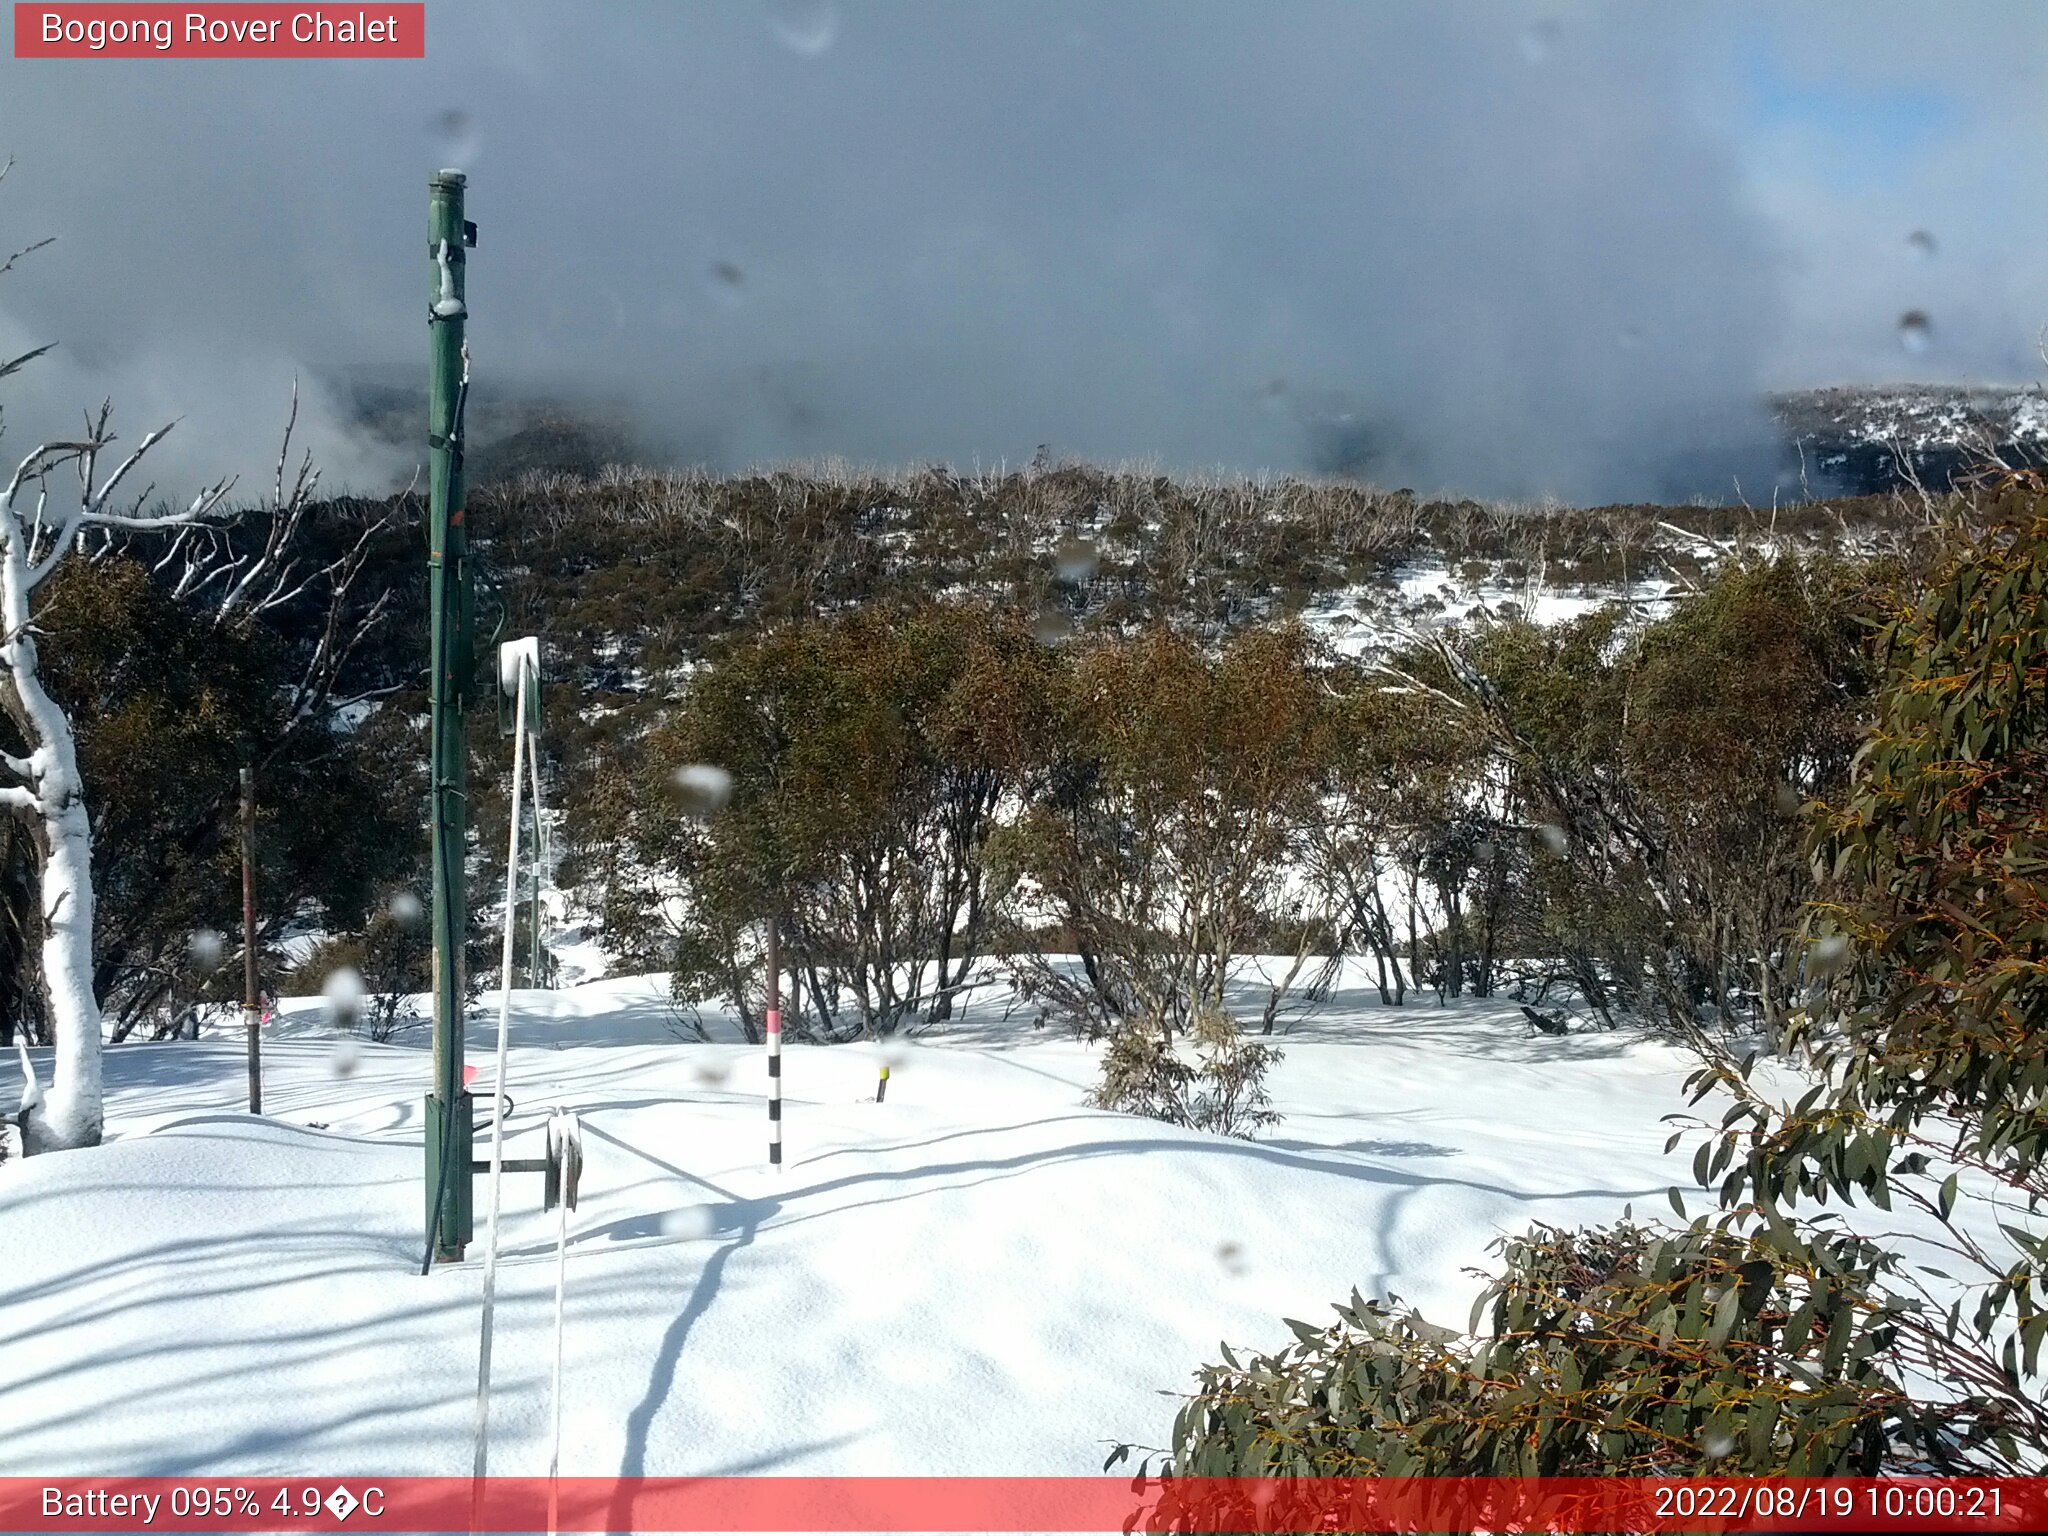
521,652
774,1044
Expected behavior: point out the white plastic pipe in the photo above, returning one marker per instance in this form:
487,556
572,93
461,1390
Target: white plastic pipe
483,1364
540,855
565,1146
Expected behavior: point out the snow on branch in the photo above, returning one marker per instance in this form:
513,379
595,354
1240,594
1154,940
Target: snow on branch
233,580
47,542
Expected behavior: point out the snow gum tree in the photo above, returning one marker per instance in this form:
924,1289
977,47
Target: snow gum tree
872,757
43,522
1170,809
56,503
1928,992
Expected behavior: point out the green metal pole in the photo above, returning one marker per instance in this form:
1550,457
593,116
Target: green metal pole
451,1124
252,1017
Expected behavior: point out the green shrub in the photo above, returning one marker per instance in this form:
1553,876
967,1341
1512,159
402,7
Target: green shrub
393,958
1622,1351
1927,979
1223,1089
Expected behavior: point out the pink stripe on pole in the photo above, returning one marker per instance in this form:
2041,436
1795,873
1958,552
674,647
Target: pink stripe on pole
774,1021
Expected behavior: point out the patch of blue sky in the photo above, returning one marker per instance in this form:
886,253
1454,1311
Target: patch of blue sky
1862,131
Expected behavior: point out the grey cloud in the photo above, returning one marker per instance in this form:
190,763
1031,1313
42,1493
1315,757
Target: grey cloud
1499,239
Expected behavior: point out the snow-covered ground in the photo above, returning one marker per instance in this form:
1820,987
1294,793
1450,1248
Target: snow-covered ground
1424,596
980,1275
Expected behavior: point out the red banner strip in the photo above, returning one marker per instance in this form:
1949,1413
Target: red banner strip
1012,1504
360,31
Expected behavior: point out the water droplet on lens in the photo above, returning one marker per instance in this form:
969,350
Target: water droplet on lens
1922,243
1231,1256
686,1221
457,131
704,790
407,910
808,27
344,994
1051,626
205,948
345,1059
712,1071
1829,955
727,283
1539,40
1553,837
1916,331
1076,560
1789,802
1717,1443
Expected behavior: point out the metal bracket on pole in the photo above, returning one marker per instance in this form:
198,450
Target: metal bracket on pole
564,1162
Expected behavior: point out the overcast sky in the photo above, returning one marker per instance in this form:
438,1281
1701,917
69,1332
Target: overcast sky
1514,249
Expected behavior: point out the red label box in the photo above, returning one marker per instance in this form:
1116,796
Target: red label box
264,31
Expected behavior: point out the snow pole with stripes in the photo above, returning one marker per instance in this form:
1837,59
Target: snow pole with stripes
774,1044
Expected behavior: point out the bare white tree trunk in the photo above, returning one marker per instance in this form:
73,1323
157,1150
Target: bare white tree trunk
69,1115
43,789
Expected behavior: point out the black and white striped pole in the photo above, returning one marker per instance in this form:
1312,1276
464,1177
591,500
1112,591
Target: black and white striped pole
774,1044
